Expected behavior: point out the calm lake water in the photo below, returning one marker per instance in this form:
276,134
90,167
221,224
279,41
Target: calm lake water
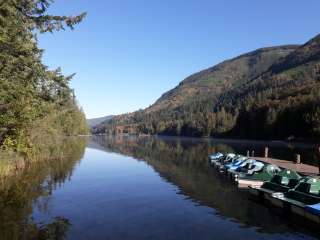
141,188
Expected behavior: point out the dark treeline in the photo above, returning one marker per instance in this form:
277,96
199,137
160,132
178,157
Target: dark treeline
282,102
37,105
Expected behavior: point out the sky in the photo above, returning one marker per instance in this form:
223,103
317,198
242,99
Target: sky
127,53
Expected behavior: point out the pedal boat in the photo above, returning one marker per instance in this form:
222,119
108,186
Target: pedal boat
303,200
256,175
282,182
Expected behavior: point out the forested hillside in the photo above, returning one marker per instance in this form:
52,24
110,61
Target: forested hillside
95,121
271,93
37,105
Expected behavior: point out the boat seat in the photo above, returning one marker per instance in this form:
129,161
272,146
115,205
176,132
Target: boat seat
274,187
315,189
243,169
284,181
257,167
276,179
293,182
303,187
273,169
306,198
250,166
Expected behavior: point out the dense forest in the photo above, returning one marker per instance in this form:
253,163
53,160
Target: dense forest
37,105
270,93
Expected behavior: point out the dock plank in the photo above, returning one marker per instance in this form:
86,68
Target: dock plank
301,168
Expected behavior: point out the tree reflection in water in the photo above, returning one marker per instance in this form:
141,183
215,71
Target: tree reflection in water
184,162
33,187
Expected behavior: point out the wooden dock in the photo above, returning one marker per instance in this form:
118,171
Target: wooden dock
301,168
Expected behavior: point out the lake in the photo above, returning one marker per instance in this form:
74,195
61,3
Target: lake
141,188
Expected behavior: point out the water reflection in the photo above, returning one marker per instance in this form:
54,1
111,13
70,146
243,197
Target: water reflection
32,188
183,162
165,190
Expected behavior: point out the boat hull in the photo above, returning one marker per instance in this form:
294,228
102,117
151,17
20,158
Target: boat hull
298,209
277,202
255,192
312,217
246,183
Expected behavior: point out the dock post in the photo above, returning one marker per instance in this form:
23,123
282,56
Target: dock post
248,153
319,160
252,154
298,159
266,152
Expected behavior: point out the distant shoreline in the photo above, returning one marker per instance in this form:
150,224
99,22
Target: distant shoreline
305,143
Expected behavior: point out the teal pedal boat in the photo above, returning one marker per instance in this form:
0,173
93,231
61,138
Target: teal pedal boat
300,200
256,175
281,182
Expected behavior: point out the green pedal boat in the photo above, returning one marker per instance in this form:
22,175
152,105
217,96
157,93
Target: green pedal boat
300,199
282,182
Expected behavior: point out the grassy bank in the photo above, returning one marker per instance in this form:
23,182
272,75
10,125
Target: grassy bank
20,189
49,150
10,163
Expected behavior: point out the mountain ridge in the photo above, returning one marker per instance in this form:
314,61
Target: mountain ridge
198,80
253,95
95,121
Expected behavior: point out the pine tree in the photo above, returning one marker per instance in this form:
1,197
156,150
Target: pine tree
32,98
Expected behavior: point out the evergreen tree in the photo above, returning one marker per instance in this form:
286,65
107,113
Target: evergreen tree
34,101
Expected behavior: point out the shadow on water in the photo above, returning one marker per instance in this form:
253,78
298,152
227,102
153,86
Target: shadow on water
183,162
19,195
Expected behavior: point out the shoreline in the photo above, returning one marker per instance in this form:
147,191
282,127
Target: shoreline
304,144
281,150
13,163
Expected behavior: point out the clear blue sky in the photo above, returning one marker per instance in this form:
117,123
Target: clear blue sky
127,53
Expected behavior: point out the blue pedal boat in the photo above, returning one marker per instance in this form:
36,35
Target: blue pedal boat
240,166
222,160
234,163
216,156
313,212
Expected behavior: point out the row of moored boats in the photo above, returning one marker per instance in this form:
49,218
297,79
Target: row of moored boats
282,188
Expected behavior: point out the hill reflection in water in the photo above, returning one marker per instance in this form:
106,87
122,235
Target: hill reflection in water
184,163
